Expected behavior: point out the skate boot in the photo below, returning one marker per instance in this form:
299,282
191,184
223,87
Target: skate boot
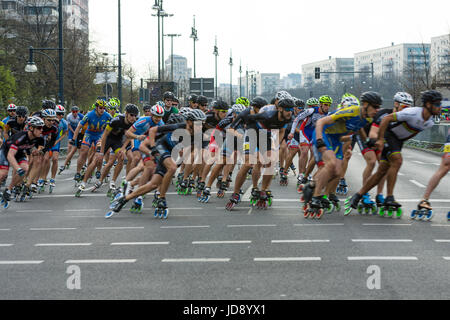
68,164
191,186
155,199
83,170
51,186
283,178
80,190
206,195
424,211
6,198
200,188
262,202
302,184
116,206
379,199
308,191
138,205
391,208
33,188
254,196
108,176
182,188
351,203
234,200
367,205
327,205
25,193
314,209
219,181
179,179
112,188
161,210
77,179
16,192
229,180
61,169
342,188
334,202
222,189
97,186
293,168
41,185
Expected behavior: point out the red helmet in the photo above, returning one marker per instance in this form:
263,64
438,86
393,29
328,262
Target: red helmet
157,111
11,107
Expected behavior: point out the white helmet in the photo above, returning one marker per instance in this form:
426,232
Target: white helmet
11,107
283,95
157,110
349,101
49,113
238,108
35,122
404,98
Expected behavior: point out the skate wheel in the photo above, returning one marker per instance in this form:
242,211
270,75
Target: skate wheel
390,213
348,210
428,216
360,209
413,214
398,213
448,216
109,214
319,214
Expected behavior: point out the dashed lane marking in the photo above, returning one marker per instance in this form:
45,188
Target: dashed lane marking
383,258
300,241
287,259
197,260
62,244
94,261
223,242
417,184
139,243
382,240
21,262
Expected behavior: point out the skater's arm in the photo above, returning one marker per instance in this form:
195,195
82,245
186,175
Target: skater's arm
321,123
144,147
382,130
12,158
77,131
131,134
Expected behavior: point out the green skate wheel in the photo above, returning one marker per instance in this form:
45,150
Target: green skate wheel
269,202
390,213
382,212
398,213
360,209
367,210
348,211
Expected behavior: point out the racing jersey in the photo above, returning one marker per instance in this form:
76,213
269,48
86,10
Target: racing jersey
307,120
118,126
14,127
144,123
22,143
409,123
267,120
95,124
50,135
167,113
73,121
346,121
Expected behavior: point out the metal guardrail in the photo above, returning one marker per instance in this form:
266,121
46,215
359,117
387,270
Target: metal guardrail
433,138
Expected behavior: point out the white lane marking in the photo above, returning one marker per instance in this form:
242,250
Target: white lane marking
322,224
62,244
381,258
5,229
446,258
118,228
222,242
387,224
287,259
381,240
417,184
52,229
101,261
440,225
21,262
198,260
37,211
300,241
442,240
401,174
250,225
419,162
6,244
139,243
183,227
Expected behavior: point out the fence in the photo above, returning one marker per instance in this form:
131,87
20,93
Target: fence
433,139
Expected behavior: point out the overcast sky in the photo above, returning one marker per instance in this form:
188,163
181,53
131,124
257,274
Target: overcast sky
267,36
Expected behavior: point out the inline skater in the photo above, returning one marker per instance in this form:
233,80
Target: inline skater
63,129
72,119
168,98
16,124
243,101
327,147
394,129
11,110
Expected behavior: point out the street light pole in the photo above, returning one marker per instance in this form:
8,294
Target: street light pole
171,52
216,53
231,79
195,38
119,82
240,78
61,53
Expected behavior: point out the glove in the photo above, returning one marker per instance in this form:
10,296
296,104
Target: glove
155,152
320,143
371,142
20,172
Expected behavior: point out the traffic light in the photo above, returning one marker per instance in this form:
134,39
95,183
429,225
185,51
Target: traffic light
317,73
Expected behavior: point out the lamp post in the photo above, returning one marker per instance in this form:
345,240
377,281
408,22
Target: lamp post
159,12
216,53
172,35
163,15
231,78
195,38
119,81
240,78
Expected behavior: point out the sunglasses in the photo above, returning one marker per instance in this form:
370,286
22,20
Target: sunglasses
437,104
39,128
101,108
289,109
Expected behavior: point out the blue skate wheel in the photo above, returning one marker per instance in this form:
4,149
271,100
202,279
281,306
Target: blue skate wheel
428,216
448,215
109,214
413,214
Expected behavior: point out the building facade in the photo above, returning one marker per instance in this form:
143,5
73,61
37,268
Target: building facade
291,81
440,58
329,65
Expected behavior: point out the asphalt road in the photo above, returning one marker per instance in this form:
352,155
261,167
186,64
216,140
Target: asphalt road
61,247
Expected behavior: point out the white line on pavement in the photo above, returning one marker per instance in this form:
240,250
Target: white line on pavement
287,259
442,240
380,258
321,225
118,228
52,229
381,240
300,241
62,244
250,225
440,225
6,244
388,224
139,243
21,262
197,260
446,258
221,242
419,162
101,261
401,174
417,184
5,229
183,227
37,211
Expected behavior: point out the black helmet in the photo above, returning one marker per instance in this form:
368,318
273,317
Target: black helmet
220,105
176,118
74,108
147,107
195,115
132,109
48,104
286,103
202,100
431,96
175,99
299,103
373,98
21,111
258,102
168,95
193,98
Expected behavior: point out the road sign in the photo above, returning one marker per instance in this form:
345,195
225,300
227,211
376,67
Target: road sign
105,77
108,90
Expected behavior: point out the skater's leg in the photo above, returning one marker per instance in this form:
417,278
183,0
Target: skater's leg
439,174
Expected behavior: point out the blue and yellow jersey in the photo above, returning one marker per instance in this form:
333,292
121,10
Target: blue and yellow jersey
346,121
95,124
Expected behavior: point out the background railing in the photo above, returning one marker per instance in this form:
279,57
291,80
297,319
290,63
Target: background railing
432,139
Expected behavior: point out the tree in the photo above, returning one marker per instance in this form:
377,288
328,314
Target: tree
7,86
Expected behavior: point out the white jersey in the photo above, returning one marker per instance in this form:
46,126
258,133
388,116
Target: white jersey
270,107
409,123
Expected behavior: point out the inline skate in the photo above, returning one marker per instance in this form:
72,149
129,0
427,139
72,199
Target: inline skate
138,205
283,178
367,205
342,188
302,184
51,186
234,200
263,199
335,203
327,205
254,196
97,186
351,203
161,210
219,181
116,206
222,189
379,199
80,190
206,195
191,186
155,199
314,209
200,188
391,208
424,211
183,187
112,188
6,198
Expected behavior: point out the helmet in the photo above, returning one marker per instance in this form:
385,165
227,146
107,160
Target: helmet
48,113
157,110
35,122
168,95
347,94
114,102
147,107
325,99
312,102
349,101
238,108
404,98
220,105
282,95
100,103
161,104
11,107
299,103
259,102
193,98
176,118
175,99
286,103
22,111
195,115
60,109
202,100
184,111
372,98
74,108
431,96
48,104
132,109
243,100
